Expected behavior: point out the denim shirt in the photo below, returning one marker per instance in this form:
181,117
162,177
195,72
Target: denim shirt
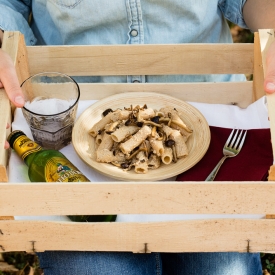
96,22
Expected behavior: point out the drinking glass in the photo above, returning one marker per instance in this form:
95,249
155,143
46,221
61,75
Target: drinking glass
51,101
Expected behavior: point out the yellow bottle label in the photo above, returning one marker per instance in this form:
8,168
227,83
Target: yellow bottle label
24,146
59,169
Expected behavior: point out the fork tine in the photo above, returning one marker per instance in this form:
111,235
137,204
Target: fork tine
234,138
238,140
229,138
242,141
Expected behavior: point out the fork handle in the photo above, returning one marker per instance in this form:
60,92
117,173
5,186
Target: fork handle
214,172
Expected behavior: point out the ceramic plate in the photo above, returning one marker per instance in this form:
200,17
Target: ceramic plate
197,144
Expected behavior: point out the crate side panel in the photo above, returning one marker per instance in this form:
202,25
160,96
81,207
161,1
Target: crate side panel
137,198
143,59
217,235
231,93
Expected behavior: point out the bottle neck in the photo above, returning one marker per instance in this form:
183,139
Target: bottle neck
26,148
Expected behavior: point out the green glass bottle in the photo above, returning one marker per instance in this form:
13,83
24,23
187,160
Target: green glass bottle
46,165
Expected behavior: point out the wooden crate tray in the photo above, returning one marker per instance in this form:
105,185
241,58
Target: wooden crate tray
149,198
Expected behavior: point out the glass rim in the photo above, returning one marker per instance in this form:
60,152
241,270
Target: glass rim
76,101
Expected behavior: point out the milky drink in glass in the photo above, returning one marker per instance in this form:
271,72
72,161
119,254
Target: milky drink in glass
50,108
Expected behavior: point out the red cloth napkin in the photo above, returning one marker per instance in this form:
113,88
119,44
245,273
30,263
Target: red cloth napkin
251,164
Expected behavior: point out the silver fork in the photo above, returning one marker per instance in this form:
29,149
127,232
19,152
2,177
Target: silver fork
231,148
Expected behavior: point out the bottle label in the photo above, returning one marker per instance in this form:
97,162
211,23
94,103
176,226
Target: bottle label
59,169
24,146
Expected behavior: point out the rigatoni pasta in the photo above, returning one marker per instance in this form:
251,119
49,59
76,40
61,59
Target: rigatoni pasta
167,156
141,165
123,132
140,137
128,146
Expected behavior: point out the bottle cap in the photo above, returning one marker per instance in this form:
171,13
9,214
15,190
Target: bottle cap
13,135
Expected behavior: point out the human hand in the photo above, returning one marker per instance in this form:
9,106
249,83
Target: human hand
269,82
9,80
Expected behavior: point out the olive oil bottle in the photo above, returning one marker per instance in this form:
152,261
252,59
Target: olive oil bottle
46,165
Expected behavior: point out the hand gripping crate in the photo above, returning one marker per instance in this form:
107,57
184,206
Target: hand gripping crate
243,235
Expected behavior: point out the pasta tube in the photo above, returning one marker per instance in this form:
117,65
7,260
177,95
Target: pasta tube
153,162
106,142
109,118
145,114
167,155
156,145
100,125
120,115
180,145
98,139
176,120
183,132
141,166
107,156
123,132
127,146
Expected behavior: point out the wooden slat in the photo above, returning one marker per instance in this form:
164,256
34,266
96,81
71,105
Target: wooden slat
258,74
5,115
217,235
143,59
236,93
14,45
135,198
8,46
266,39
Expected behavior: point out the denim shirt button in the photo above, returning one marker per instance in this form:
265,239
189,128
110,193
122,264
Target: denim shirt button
136,81
134,33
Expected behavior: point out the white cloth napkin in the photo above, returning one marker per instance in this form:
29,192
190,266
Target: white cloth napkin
228,116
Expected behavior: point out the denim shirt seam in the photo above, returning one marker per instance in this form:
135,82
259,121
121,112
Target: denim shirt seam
135,21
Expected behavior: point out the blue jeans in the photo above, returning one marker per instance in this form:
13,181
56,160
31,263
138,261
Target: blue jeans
120,263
